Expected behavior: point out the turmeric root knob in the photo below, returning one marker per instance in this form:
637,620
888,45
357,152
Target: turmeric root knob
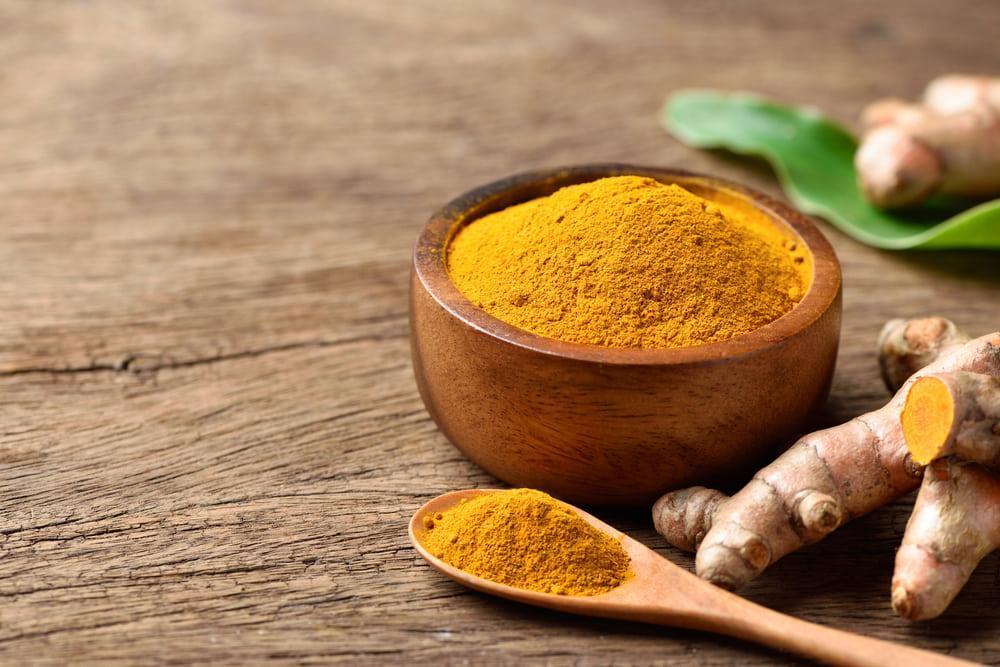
685,516
819,512
896,168
906,346
953,414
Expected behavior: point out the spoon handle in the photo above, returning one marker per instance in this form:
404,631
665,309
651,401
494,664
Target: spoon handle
738,617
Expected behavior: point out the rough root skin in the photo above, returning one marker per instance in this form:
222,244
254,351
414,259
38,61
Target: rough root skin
954,525
684,517
821,482
906,346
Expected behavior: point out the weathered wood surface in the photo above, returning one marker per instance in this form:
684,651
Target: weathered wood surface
211,435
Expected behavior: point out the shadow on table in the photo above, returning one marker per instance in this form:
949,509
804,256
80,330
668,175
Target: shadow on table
980,267
669,644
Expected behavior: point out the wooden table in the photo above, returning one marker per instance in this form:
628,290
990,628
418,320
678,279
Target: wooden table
211,435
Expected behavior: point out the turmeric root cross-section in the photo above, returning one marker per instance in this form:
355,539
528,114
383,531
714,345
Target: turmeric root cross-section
953,414
823,480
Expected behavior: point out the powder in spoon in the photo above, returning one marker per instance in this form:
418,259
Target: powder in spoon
630,262
527,539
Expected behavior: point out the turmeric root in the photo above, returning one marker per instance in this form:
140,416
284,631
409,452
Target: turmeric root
953,414
956,93
944,95
822,481
684,517
954,525
906,347
948,144
952,421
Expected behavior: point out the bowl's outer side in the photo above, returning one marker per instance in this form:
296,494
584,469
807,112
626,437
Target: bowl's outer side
611,434
620,434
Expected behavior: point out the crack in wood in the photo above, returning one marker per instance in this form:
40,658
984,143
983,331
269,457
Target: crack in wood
128,364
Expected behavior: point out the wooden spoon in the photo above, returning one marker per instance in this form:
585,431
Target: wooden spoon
662,593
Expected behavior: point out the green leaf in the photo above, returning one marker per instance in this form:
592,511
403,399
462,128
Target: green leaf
814,160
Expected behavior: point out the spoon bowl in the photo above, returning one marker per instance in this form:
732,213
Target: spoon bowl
662,593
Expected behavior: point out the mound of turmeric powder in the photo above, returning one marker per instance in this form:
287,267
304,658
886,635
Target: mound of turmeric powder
629,262
527,539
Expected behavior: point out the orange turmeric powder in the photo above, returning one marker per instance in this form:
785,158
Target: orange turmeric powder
527,539
627,261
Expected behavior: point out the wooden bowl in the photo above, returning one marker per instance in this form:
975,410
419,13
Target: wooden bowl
610,426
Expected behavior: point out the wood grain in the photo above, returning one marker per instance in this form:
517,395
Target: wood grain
212,438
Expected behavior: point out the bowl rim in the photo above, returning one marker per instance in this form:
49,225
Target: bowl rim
430,251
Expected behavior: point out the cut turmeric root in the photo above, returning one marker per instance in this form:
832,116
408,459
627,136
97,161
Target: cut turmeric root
953,414
952,422
823,480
